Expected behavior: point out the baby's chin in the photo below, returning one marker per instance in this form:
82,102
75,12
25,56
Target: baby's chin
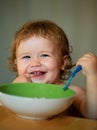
40,81
37,81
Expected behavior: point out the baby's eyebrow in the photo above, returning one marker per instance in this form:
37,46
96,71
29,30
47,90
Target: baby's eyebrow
47,51
23,54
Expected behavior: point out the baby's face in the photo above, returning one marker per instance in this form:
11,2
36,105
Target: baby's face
37,58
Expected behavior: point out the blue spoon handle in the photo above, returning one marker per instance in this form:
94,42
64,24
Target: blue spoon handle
76,70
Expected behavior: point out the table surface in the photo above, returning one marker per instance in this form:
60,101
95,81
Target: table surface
9,121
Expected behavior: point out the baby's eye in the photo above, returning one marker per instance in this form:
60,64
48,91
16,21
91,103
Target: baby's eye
26,57
45,55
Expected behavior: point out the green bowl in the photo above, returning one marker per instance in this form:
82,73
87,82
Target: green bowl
35,100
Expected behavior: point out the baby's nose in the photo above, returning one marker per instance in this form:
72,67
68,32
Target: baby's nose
35,62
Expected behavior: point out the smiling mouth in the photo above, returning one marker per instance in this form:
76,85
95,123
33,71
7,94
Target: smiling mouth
37,73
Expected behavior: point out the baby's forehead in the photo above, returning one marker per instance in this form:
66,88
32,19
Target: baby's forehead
56,45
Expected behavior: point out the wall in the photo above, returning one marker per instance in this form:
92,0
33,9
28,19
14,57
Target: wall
78,18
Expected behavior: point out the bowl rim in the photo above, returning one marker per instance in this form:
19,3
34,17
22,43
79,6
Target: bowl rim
70,96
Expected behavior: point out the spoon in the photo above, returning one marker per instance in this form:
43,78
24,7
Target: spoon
74,72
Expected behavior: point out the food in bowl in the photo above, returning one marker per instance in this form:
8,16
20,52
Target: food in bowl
35,100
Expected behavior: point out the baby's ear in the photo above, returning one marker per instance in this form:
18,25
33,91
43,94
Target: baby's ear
64,60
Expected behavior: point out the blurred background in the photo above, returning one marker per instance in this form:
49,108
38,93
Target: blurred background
78,18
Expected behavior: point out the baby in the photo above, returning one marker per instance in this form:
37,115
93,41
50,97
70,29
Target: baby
41,54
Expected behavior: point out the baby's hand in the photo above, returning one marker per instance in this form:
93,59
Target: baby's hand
21,78
89,64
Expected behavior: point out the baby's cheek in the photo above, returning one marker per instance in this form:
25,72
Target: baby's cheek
21,69
51,64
